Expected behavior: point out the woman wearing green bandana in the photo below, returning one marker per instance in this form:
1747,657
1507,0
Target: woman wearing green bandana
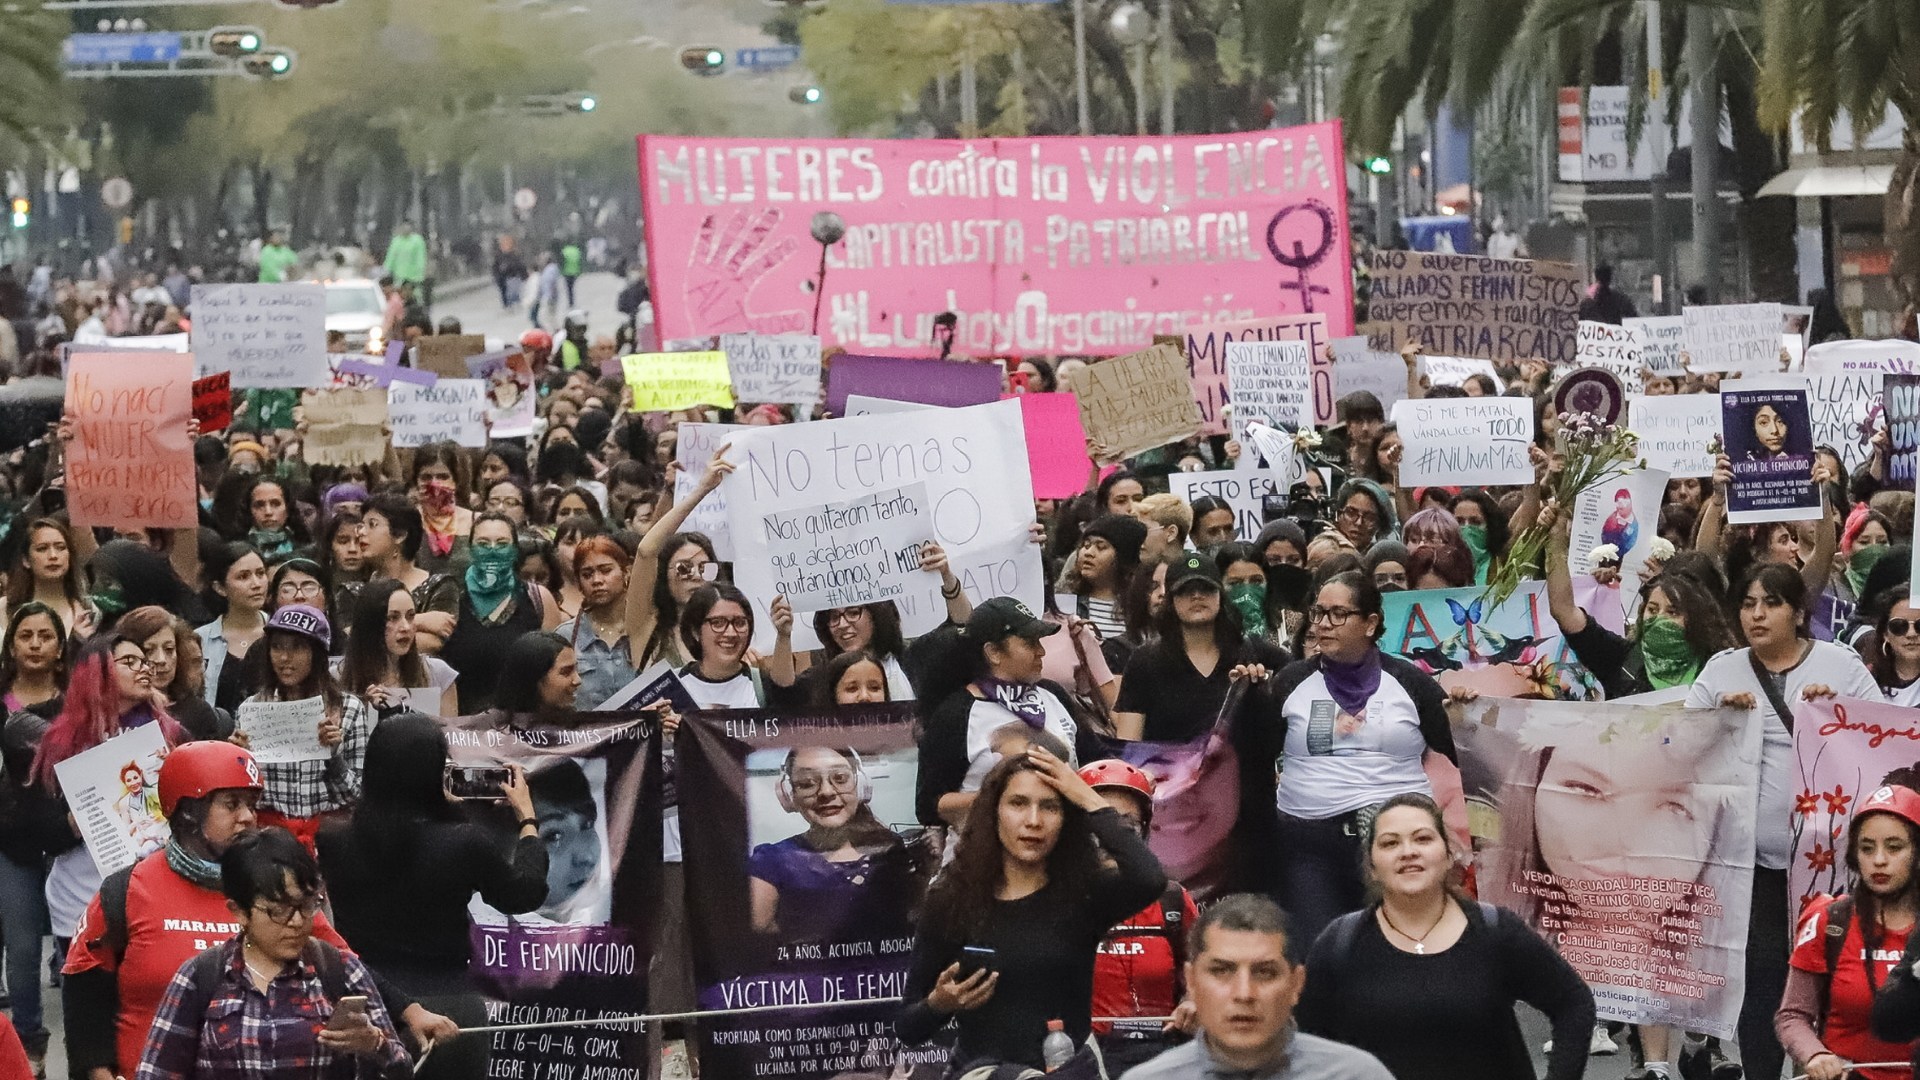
1864,541
1679,627
1483,525
496,608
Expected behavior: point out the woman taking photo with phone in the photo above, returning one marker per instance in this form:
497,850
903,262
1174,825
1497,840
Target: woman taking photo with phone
402,870
1008,932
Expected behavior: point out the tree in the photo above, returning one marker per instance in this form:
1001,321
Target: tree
30,70
1827,62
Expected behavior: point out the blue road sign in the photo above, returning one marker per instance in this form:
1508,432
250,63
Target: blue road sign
766,57
157,47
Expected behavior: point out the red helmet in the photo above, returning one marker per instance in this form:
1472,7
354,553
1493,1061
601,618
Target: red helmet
198,769
1114,773
537,342
1901,802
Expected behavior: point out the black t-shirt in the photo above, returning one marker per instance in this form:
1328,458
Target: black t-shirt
1613,659
1181,704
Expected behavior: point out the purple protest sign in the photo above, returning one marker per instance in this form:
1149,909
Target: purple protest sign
1769,442
952,383
383,374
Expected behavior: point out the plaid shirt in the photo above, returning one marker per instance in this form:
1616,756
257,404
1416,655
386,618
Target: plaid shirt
246,1033
304,789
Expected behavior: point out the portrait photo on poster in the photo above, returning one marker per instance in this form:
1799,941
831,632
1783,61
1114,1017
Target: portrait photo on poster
569,801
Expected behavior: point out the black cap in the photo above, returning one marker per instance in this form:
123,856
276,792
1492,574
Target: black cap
1003,617
1189,568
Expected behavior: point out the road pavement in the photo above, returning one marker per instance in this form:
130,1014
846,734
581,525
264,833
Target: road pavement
480,312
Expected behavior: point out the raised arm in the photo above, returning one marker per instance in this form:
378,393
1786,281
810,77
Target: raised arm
1826,536
1713,513
1560,601
646,560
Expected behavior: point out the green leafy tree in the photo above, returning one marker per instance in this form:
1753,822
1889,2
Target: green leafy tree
35,98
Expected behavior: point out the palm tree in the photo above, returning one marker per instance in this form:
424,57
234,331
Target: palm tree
29,68
1828,59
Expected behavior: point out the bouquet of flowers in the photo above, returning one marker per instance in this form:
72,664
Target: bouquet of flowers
1590,452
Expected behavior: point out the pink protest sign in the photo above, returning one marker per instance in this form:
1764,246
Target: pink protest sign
1056,445
1052,245
130,462
1206,349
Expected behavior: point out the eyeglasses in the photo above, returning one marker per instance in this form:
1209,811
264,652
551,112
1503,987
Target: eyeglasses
299,588
722,623
134,663
1902,627
505,502
847,616
1358,515
695,571
807,784
1332,616
285,914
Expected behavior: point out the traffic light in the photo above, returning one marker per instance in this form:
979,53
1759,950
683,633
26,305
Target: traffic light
22,211
804,95
271,64
235,40
1379,166
703,59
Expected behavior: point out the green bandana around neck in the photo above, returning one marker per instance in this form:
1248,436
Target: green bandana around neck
1669,659
1860,564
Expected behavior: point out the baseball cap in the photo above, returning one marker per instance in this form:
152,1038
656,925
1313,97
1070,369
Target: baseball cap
1003,617
308,622
1189,568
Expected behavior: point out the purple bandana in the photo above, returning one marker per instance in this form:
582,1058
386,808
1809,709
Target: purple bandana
1352,685
1023,700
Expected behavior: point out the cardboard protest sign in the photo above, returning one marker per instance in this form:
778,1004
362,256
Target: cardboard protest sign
1901,397
1676,431
451,410
973,462
765,793
1844,410
1661,338
283,732
780,368
1468,305
1612,348
1733,337
1055,245
265,335
928,382
1537,767
693,450
1622,513
1769,440
1244,490
1138,402
663,382
1357,367
130,462
113,792
838,554
1271,381
1056,445
345,426
510,395
1479,442
1843,749
213,402
1895,356
1205,348
1513,650
583,954
1455,370
445,355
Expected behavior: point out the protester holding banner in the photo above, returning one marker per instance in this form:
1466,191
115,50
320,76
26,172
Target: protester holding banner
1009,932
716,627
875,628
1426,979
1176,685
1825,1017
495,608
382,661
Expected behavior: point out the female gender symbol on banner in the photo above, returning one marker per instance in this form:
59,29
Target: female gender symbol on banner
1300,260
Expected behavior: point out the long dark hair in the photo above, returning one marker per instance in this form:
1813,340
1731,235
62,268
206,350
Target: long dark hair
666,610
1868,913
829,676
700,604
366,656
319,682
1780,582
1706,628
527,661
1229,633
887,639
9,671
1879,658
402,786
243,520
962,898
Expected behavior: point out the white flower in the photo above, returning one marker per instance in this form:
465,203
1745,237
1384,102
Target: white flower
1605,553
1662,549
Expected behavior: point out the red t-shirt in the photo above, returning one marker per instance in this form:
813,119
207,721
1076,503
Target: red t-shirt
1133,970
170,920
1849,1000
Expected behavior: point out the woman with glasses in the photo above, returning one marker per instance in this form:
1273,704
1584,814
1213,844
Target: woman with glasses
299,581
390,539
875,628
1356,725
511,498
1896,663
716,627
1364,514
169,644
668,568
845,872
496,608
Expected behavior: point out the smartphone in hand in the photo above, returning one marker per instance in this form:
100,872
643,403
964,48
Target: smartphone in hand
477,783
351,1012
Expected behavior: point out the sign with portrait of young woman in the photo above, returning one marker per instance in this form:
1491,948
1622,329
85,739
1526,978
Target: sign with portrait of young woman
582,955
1769,443
1623,835
804,865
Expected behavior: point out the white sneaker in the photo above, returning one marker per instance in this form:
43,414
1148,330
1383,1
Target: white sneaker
1602,1043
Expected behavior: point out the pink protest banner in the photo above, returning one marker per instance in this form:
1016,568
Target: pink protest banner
130,462
1053,245
1056,445
1206,349
1843,749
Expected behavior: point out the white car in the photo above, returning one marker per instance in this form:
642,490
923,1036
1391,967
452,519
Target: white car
358,310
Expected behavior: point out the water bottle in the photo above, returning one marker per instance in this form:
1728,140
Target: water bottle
1058,1049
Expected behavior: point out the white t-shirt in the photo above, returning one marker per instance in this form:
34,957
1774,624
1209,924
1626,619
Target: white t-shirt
988,727
1333,763
1731,672
424,699
1908,695
734,693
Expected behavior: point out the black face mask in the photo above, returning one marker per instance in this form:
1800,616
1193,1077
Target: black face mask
1387,588
1287,585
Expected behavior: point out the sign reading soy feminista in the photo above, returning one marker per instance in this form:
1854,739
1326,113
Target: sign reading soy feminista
1469,305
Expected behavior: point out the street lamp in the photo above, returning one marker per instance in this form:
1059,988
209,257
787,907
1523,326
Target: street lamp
827,229
1132,26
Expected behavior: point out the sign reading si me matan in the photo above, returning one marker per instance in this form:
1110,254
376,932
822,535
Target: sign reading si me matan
1088,246
845,553
1676,431
1469,305
1477,442
780,368
1662,338
450,410
973,462
1613,348
1137,402
1733,337
130,463
266,335
1271,381
1206,351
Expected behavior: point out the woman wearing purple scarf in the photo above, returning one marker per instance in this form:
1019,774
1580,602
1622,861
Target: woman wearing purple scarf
1356,726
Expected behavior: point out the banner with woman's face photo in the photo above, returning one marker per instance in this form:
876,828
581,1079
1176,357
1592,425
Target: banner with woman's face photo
1769,443
1624,835
804,865
583,953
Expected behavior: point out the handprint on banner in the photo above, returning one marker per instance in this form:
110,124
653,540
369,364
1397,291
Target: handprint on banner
727,263
1300,238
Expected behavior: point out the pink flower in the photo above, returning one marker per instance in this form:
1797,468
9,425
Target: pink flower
1820,858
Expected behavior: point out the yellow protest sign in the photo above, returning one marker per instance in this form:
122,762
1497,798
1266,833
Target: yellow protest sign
666,381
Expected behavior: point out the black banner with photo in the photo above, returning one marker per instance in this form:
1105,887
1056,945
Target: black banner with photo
804,866
583,954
